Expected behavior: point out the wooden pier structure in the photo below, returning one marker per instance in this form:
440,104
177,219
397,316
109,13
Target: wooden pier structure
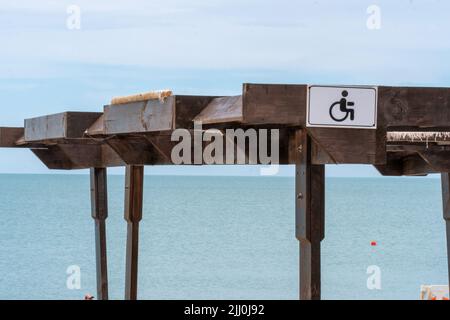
411,138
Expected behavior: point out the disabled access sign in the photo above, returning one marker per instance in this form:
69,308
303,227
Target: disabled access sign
342,107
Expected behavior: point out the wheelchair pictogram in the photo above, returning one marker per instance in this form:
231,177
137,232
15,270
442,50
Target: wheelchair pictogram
344,112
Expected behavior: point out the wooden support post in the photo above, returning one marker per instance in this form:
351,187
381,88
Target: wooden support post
309,215
99,204
134,184
445,178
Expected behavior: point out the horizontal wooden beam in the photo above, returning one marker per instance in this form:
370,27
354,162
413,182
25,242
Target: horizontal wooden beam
274,104
9,136
71,157
411,164
154,115
66,125
222,110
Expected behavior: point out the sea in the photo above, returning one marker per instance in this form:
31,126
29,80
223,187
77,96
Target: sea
221,238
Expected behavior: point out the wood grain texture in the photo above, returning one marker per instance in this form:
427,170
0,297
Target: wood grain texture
9,136
97,128
274,104
345,145
154,115
99,208
187,108
73,157
143,116
309,216
414,107
439,161
134,188
222,110
66,125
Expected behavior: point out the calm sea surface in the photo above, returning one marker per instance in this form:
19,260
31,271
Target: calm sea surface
221,237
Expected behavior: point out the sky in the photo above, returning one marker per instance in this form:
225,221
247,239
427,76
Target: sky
207,47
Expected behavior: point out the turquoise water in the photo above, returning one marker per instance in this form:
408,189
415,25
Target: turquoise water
221,237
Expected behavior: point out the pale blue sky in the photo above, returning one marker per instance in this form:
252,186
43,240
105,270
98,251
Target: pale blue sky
207,47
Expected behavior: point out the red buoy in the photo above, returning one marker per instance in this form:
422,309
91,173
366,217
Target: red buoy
373,243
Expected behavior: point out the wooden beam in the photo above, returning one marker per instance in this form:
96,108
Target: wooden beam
414,107
414,165
97,128
9,136
309,216
66,125
439,161
393,165
343,145
445,179
154,115
99,205
274,104
134,184
222,110
135,150
77,156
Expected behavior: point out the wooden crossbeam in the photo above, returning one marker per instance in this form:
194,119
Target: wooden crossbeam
77,156
154,115
222,110
123,130
66,125
274,104
9,136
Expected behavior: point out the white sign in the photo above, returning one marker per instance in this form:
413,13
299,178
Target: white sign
349,107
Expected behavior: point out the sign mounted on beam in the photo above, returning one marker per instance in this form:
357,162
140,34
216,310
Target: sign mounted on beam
342,107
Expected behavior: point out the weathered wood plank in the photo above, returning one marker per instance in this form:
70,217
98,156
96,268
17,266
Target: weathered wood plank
66,125
220,110
274,104
97,128
99,206
134,185
53,157
9,136
439,161
135,150
392,167
154,115
187,108
310,216
414,165
142,116
414,106
71,157
345,145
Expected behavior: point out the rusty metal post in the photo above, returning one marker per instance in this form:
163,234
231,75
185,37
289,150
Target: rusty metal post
134,185
99,206
309,216
445,179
